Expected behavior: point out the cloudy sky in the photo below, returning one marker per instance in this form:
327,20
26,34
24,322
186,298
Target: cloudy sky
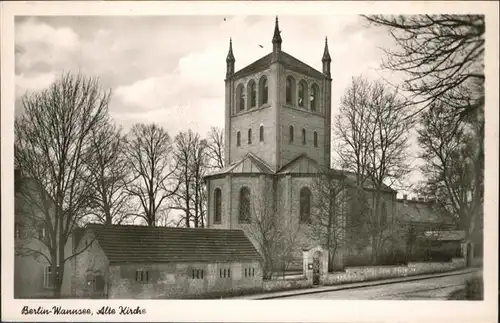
171,69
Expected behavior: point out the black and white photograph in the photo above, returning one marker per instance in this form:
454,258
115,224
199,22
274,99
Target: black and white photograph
239,156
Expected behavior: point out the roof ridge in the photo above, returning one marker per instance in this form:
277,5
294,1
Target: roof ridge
259,160
159,227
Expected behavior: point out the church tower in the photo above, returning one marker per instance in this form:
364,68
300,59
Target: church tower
278,108
277,138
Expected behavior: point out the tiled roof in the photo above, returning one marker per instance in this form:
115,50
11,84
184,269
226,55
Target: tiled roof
445,235
143,244
416,211
284,58
233,168
351,177
260,64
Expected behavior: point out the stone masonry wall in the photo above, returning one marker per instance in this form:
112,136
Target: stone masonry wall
92,261
283,284
292,115
263,114
175,280
358,274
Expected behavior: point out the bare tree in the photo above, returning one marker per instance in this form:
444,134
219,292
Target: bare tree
52,140
108,174
276,240
149,153
199,170
453,168
388,156
373,131
215,148
191,165
440,54
328,220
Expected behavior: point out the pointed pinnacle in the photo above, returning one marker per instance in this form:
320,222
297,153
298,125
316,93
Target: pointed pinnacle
326,53
230,56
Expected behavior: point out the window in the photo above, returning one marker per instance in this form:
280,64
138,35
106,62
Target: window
197,273
305,205
290,90
20,231
315,139
303,136
263,91
47,272
249,136
141,276
17,228
41,233
314,97
291,133
217,205
238,139
252,94
244,215
302,94
96,282
261,133
225,273
249,272
240,92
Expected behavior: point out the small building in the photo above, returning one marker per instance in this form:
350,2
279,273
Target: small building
141,262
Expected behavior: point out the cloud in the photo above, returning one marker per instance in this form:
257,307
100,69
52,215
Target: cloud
35,82
178,63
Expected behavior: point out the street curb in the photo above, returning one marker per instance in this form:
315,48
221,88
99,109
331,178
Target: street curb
375,283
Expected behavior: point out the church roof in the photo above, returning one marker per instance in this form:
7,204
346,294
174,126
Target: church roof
144,244
351,177
303,164
248,164
284,58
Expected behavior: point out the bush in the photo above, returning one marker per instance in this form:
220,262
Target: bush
474,289
357,260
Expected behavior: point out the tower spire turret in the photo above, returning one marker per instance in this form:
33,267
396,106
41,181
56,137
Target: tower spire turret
326,59
277,37
230,60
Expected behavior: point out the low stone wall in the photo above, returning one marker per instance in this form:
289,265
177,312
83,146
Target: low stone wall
280,285
359,274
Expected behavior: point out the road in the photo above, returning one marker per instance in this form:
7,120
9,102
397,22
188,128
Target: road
433,288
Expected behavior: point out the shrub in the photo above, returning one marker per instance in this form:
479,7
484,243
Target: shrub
356,260
474,289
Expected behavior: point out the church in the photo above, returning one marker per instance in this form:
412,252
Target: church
277,140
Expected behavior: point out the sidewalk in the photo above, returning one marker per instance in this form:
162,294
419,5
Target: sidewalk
321,289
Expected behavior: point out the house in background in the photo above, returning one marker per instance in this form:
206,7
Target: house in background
31,269
130,261
424,232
